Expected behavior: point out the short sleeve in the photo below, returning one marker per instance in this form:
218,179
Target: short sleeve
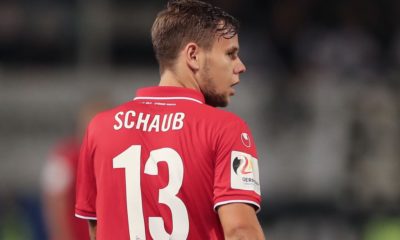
86,191
236,176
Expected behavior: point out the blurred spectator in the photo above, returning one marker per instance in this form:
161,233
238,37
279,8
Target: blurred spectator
58,181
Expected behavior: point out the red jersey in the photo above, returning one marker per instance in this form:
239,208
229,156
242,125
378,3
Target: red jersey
158,167
59,177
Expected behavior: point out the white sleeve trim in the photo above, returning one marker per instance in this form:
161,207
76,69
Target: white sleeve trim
84,217
238,201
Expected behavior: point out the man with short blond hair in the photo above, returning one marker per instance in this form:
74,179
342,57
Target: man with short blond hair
169,165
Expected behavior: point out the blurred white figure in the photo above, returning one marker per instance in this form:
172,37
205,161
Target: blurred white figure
58,181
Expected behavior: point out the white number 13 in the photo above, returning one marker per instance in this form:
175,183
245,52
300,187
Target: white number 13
130,160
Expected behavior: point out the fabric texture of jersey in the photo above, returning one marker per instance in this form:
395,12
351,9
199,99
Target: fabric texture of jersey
163,161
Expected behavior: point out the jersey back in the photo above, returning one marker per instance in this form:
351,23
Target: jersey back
157,167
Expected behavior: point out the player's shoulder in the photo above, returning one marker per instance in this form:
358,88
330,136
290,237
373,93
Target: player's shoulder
108,114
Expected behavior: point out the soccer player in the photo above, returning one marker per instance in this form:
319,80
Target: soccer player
58,180
58,183
168,164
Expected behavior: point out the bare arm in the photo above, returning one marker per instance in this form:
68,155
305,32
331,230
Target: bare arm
92,229
239,222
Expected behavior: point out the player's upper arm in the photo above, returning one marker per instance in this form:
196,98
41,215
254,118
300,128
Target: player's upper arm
239,221
92,229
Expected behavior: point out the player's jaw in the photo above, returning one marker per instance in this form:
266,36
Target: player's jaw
219,98
232,89
215,99
217,85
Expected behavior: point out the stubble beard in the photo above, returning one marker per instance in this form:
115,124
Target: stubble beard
211,96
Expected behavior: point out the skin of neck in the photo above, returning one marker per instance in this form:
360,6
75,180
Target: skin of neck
180,75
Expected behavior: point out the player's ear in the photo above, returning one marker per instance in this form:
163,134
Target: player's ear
192,55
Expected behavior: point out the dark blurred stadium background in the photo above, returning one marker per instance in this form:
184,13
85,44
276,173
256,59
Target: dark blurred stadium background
321,95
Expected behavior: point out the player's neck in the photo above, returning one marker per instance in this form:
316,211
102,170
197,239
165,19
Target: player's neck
174,79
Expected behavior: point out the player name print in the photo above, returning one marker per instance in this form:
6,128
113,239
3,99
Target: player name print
149,122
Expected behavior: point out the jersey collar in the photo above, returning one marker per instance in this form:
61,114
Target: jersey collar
169,93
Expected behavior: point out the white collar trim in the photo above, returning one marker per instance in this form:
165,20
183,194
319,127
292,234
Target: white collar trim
168,98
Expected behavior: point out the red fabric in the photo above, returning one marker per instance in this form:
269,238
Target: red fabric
204,142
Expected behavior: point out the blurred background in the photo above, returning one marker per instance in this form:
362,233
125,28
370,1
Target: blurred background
321,95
